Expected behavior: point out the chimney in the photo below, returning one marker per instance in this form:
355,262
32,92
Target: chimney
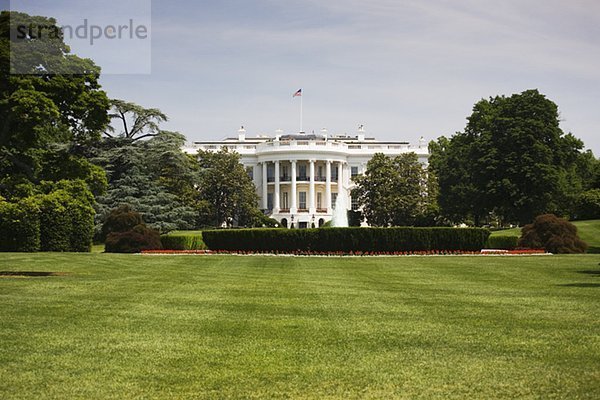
324,133
242,134
361,133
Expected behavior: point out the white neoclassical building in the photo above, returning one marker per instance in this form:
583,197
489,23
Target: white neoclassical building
298,176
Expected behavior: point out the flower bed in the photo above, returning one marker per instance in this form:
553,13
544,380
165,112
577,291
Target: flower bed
352,253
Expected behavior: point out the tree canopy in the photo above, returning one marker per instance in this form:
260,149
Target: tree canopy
393,191
229,193
512,160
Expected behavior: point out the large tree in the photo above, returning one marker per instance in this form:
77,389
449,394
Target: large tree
512,161
228,191
133,121
393,191
154,177
51,106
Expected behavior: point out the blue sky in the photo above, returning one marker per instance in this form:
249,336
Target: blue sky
404,69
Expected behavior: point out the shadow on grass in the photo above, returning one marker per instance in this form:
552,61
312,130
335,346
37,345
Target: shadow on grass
581,285
31,273
593,250
593,272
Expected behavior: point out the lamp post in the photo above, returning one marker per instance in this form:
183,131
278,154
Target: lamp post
313,221
292,219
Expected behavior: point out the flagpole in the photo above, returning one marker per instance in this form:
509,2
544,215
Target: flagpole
301,113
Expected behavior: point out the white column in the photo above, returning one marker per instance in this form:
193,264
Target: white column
328,186
276,196
311,188
340,185
293,207
264,186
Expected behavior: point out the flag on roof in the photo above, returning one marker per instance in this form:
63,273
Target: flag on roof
298,93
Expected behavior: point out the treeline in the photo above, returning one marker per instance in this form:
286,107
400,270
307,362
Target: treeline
69,155
510,164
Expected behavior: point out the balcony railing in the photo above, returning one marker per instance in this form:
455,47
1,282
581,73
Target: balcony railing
285,178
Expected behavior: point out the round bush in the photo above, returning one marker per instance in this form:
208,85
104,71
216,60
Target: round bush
121,219
554,234
133,241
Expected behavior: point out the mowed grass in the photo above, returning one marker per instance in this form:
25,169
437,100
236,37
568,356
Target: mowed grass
180,327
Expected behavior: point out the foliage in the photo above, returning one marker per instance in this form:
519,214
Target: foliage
347,239
49,114
588,205
57,216
512,160
135,240
120,219
556,235
502,242
183,242
154,177
20,225
393,191
229,192
136,121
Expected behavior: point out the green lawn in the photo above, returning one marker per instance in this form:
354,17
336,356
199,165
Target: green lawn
180,327
589,232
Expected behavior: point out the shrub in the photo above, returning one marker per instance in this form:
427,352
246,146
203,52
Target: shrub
183,242
121,219
503,242
55,222
556,235
20,225
133,241
347,239
82,224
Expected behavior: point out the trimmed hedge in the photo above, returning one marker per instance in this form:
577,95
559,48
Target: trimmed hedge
503,242
20,225
182,242
347,239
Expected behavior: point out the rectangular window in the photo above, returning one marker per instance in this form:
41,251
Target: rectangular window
250,172
302,202
319,196
284,200
270,172
302,172
333,199
353,171
320,173
354,203
270,201
284,171
334,173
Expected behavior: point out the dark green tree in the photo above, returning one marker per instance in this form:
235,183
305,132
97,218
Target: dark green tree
51,106
393,191
135,122
227,189
153,177
512,160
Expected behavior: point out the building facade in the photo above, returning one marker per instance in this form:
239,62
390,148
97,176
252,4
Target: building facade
298,177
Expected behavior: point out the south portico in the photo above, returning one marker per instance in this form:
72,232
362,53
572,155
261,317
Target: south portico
301,191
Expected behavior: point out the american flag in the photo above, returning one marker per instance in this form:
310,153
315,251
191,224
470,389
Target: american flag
298,93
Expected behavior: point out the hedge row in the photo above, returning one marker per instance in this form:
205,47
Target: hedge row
48,222
502,242
347,239
183,242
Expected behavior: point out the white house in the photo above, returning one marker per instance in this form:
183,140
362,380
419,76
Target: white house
298,176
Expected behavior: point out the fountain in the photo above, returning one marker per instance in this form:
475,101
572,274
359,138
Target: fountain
340,213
